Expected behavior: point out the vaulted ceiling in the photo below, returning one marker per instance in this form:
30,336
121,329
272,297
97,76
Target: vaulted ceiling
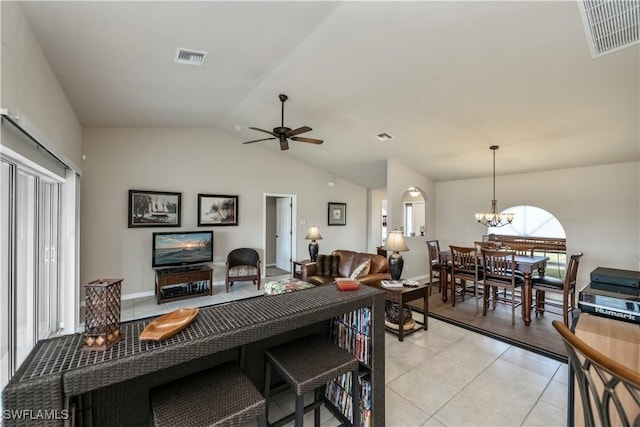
445,79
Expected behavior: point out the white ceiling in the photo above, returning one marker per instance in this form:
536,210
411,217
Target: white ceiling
446,79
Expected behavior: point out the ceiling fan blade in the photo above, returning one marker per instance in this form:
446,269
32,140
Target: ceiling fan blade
284,144
262,130
298,131
258,140
303,139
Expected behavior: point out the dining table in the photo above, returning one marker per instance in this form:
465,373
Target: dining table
528,265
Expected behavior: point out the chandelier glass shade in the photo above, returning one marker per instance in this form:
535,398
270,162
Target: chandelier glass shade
494,218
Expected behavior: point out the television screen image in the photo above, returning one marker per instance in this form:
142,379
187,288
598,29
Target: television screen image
173,249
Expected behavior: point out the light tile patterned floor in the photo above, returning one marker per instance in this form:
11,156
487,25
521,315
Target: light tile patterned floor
446,376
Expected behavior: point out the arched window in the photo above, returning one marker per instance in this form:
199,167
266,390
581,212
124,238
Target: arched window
531,221
537,224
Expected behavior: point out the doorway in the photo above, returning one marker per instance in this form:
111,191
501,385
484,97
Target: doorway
279,233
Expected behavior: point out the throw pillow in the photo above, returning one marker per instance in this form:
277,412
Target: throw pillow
327,265
361,270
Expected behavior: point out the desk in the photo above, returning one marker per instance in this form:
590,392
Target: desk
58,368
404,295
527,265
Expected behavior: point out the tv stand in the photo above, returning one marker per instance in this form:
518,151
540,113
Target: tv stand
183,282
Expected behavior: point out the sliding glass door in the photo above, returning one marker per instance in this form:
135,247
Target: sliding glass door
29,303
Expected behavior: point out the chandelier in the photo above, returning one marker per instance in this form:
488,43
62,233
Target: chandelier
494,218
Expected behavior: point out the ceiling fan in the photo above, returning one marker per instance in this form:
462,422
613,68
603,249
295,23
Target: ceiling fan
283,133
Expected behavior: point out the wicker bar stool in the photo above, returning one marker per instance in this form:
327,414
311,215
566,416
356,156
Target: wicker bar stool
308,364
221,396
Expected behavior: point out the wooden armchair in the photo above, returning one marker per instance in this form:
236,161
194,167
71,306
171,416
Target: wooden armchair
243,265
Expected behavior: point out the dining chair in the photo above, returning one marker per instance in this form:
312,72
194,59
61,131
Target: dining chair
437,268
499,272
243,264
609,391
567,287
525,249
464,267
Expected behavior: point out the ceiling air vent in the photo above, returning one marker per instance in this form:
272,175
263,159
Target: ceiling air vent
383,136
610,25
191,57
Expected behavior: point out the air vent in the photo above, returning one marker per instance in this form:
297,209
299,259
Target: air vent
610,25
383,136
191,57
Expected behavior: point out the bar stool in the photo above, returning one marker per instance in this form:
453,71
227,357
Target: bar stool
308,364
221,396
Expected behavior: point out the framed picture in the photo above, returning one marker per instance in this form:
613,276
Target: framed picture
154,209
216,209
337,214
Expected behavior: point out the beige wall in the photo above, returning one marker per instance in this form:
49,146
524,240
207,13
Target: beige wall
30,88
599,208
193,161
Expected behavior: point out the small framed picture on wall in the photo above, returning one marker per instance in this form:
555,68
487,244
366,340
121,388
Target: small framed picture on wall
217,209
337,214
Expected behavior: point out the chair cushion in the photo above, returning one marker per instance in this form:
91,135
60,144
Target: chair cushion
327,265
361,270
242,271
518,280
548,281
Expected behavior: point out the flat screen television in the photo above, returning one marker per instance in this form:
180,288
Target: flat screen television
174,249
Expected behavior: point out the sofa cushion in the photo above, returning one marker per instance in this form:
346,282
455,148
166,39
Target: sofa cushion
327,265
361,270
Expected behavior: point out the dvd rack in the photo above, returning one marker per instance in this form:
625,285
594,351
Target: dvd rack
352,331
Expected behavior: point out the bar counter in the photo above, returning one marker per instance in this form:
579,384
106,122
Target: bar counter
58,369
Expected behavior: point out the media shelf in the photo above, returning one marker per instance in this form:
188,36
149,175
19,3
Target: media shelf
352,331
183,282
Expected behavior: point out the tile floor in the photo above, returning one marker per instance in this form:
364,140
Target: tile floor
446,376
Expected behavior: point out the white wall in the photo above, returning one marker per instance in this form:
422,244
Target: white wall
399,178
30,87
599,208
195,161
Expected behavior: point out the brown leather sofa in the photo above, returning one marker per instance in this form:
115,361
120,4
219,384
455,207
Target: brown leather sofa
348,261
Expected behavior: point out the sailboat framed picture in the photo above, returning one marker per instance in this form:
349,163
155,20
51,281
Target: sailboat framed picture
154,209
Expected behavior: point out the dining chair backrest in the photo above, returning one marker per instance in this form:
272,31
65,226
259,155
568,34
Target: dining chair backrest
498,266
525,249
609,391
434,251
485,245
464,262
571,273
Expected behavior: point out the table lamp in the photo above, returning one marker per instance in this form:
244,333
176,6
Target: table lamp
396,244
313,234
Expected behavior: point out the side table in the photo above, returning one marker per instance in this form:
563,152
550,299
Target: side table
404,295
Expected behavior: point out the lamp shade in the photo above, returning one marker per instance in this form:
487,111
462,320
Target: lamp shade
395,242
313,233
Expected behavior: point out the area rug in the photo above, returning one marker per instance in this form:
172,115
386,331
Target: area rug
540,337
274,271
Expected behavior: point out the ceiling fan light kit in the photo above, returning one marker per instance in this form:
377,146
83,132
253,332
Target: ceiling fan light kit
283,133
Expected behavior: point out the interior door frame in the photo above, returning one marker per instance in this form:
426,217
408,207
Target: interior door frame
294,221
